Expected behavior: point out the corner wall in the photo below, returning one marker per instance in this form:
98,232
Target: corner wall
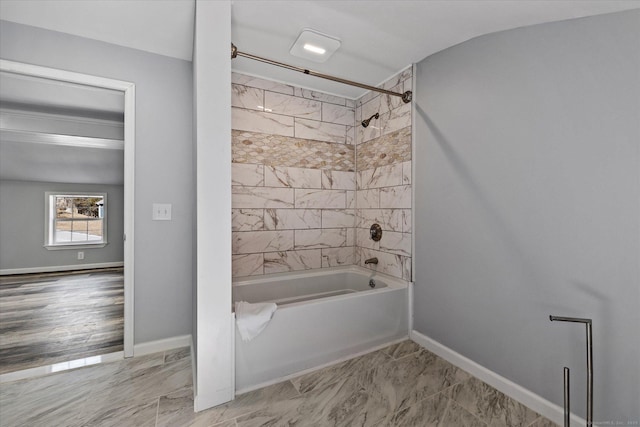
528,204
214,323
383,165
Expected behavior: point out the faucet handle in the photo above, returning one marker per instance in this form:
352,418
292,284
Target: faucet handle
375,232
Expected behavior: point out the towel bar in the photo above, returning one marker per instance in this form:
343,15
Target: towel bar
587,323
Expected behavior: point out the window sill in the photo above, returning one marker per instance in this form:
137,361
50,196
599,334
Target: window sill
75,246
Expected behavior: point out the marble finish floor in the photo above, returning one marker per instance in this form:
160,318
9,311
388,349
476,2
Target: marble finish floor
58,317
400,385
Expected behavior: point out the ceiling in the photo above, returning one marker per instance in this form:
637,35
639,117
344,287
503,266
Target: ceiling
379,38
50,131
26,92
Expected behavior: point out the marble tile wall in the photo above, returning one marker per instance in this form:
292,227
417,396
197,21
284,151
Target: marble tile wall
383,179
293,177
267,107
309,180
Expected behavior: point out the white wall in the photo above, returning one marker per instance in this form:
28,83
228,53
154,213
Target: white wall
212,79
163,250
22,223
528,204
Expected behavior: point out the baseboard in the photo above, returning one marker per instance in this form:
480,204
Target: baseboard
161,345
533,401
52,269
40,371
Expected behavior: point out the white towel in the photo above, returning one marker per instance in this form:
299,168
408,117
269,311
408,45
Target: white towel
253,318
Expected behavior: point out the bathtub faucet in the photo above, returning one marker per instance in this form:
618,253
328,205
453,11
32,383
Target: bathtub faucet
371,261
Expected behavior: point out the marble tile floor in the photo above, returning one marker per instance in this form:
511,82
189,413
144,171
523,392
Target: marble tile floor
58,317
400,385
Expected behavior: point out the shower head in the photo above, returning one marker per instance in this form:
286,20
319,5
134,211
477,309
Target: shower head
365,123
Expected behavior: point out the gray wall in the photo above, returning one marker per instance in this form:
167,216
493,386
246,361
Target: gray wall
527,204
22,221
163,249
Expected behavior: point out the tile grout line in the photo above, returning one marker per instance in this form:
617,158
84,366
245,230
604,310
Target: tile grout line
157,412
467,411
443,391
449,401
472,377
295,388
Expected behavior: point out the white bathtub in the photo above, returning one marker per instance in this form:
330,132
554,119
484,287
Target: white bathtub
322,316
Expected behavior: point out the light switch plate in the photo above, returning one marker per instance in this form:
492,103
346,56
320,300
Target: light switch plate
161,212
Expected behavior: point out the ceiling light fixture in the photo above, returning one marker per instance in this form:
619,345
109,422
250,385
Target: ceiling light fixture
314,49
314,45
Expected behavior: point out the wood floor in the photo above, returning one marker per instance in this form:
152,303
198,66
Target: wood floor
51,318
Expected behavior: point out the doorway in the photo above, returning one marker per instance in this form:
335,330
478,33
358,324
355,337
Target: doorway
91,221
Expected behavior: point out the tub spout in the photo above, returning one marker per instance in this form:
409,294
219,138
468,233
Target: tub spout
371,261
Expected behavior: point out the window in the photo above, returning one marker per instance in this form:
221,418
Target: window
75,220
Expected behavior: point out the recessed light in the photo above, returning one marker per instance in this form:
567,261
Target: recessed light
314,49
314,45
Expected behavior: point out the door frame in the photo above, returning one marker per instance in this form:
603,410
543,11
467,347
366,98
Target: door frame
129,91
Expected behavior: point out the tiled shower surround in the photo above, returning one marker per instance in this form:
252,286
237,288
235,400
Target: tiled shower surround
309,180
383,179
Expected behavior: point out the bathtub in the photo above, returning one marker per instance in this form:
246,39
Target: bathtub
323,316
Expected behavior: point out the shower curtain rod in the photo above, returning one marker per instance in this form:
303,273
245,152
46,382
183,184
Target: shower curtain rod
406,96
